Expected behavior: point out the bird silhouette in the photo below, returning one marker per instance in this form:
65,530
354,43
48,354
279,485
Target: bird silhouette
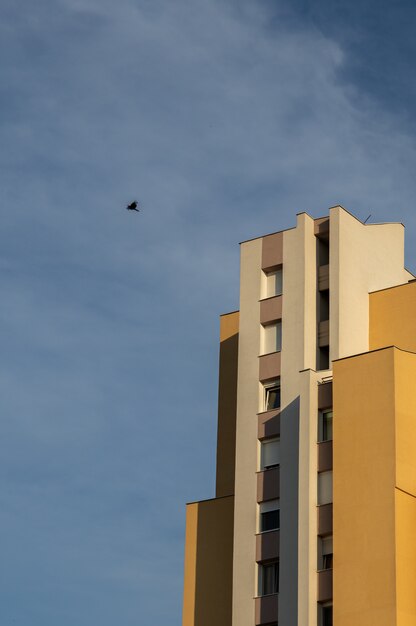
132,207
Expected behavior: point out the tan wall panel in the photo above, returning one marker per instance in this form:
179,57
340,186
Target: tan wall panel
208,563
229,324
324,456
268,424
268,484
405,381
267,609
363,508
191,533
392,317
325,395
267,546
325,585
406,558
227,404
323,277
269,366
325,514
270,309
272,250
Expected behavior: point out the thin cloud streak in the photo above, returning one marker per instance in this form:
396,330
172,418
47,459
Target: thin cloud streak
223,119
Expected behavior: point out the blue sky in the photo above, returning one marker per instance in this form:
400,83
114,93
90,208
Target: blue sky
224,119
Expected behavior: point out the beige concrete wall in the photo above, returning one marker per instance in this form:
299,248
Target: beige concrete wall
227,404
208,563
363,258
244,575
392,317
308,520
297,600
299,302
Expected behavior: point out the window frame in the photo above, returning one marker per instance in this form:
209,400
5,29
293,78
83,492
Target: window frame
325,488
267,389
267,290
269,441
275,342
325,553
270,506
322,619
323,425
262,590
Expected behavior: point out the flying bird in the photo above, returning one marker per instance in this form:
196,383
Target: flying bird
132,207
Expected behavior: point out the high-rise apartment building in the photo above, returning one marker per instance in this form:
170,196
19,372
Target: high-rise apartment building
314,519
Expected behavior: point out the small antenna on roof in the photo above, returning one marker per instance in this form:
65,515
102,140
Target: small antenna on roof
367,219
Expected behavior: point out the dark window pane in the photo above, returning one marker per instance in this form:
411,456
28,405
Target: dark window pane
327,561
270,520
327,426
323,363
272,398
270,579
327,616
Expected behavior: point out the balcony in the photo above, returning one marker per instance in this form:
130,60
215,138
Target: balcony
323,277
325,519
269,366
268,484
322,227
270,309
268,424
324,456
267,546
323,334
266,609
325,585
325,395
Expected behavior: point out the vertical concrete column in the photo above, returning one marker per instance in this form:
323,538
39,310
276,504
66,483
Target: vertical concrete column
298,353
308,520
244,583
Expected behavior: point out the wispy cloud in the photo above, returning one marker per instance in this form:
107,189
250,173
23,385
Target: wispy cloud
223,119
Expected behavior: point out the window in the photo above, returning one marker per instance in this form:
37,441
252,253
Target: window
325,487
272,283
326,616
269,516
325,425
272,337
325,553
323,305
323,358
269,453
268,578
323,252
271,395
